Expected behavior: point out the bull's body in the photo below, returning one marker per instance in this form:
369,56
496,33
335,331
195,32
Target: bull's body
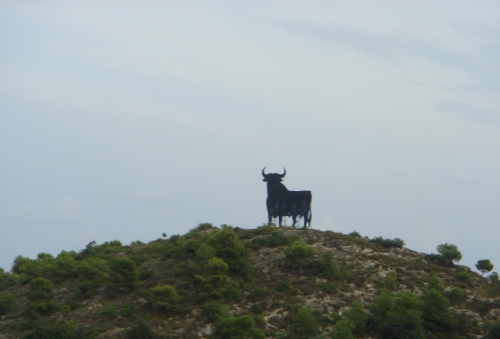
284,203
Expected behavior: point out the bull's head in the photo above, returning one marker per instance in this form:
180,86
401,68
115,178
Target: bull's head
273,176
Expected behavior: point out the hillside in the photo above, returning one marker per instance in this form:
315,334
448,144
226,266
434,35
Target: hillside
229,282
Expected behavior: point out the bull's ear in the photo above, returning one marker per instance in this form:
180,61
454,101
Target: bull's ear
265,179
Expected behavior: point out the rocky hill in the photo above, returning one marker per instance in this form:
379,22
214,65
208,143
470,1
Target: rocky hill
230,282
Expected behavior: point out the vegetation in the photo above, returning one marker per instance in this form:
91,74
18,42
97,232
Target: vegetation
266,282
484,266
449,252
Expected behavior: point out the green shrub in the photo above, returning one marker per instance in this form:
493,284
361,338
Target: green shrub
108,312
449,252
229,248
494,278
94,270
41,296
146,273
326,266
64,266
456,294
238,327
124,276
388,243
493,332
32,269
436,313
272,240
304,325
398,317
357,318
463,277
140,331
129,309
205,226
7,303
7,279
257,294
342,330
354,234
212,310
298,252
435,283
390,282
329,288
484,266
283,286
164,299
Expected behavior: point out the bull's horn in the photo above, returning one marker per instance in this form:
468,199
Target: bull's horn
263,174
284,173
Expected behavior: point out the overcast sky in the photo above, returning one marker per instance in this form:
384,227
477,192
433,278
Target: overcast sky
123,120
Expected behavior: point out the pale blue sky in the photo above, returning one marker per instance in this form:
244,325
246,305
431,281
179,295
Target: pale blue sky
126,119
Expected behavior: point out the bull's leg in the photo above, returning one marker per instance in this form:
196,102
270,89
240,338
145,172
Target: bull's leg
307,219
279,218
294,218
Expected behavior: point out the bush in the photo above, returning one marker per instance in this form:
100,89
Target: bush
257,294
140,331
342,330
304,325
7,303
436,315
494,332
275,239
164,299
390,282
108,312
398,317
238,327
94,270
456,294
228,248
356,318
388,243
327,267
449,252
7,279
64,266
435,283
355,234
129,309
124,276
41,296
463,277
484,266
283,286
212,310
298,252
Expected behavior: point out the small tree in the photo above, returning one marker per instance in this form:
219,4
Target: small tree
164,299
7,303
124,276
238,327
298,252
449,252
41,296
304,325
484,266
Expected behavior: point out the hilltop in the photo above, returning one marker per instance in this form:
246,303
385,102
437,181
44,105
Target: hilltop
230,282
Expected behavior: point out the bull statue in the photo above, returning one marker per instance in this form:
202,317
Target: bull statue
284,203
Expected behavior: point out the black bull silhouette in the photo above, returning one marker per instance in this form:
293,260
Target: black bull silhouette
284,203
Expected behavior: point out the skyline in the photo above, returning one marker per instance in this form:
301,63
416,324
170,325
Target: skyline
126,120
